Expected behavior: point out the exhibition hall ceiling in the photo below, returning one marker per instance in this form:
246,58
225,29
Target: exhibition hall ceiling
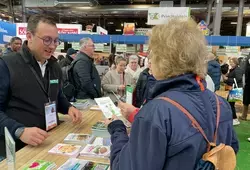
112,13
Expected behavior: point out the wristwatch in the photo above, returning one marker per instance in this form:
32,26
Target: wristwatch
19,132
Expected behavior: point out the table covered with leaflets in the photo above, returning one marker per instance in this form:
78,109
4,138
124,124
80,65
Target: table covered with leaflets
29,157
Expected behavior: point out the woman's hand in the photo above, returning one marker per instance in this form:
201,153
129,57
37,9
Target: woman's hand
110,120
121,87
126,109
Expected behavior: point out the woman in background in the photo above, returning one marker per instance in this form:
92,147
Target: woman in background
234,73
133,67
115,81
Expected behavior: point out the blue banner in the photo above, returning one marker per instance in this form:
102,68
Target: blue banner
140,39
7,31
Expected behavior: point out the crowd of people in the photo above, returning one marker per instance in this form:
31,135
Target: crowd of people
178,69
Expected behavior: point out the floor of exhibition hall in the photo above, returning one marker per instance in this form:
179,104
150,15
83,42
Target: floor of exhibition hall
243,157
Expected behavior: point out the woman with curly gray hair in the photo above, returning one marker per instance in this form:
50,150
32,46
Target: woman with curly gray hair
162,136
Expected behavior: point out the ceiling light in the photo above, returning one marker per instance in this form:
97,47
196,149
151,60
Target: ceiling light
234,23
142,6
110,23
84,7
122,24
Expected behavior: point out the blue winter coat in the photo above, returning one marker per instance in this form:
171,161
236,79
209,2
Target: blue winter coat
162,137
214,71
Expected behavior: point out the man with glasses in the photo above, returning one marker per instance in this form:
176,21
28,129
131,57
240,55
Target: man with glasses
30,82
85,75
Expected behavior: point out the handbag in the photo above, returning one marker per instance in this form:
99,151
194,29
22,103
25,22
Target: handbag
235,94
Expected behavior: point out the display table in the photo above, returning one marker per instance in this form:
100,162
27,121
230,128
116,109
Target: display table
28,154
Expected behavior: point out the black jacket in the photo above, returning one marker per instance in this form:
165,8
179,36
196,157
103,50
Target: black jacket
141,87
66,61
23,94
247,72
85,77
237,74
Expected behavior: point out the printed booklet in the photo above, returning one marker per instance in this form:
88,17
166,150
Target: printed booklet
40,165
79,139
102,141
98,151
66,149
100,129
80,164
108,107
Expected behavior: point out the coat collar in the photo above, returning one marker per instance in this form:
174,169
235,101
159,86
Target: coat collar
185,82
86,56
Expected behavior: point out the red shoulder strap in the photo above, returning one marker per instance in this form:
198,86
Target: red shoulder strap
195,124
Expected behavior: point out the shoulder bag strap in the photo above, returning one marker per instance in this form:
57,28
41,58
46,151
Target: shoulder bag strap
217,119
195,124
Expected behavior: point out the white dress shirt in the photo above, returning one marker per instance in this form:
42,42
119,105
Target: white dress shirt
43,67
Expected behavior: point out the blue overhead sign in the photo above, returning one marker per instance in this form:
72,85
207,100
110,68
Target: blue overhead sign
140,39
7,31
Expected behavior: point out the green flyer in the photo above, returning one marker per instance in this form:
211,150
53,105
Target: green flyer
129,94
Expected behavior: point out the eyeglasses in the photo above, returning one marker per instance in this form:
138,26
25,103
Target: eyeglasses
48,40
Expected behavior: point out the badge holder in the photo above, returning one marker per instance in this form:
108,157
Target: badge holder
50,115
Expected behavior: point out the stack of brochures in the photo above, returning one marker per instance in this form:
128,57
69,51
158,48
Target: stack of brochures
98,151
83,104
66,149
79,139
80,164
102,141
40,165
100,129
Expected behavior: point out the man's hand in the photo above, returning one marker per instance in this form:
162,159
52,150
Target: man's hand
126,109
33,136
75,115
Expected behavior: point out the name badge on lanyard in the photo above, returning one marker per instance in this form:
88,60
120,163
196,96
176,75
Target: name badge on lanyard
50,115
50,107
